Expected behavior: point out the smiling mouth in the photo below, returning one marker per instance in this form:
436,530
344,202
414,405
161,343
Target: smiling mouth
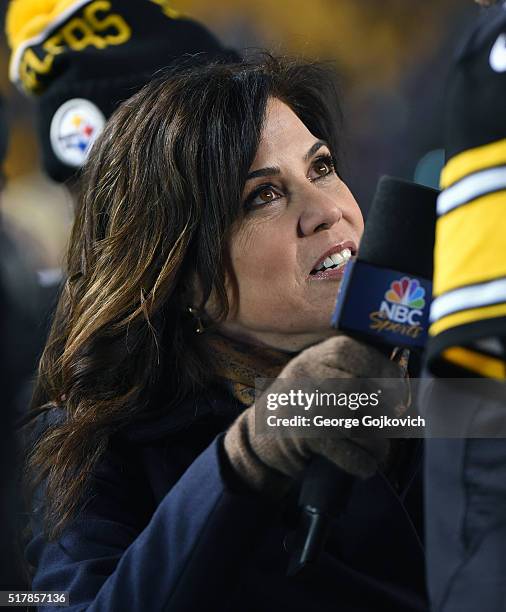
333,262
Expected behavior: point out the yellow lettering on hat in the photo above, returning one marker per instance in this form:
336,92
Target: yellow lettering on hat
120,30
78,35
93,26
31,65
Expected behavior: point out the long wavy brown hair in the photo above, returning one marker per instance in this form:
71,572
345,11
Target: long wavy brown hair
161,195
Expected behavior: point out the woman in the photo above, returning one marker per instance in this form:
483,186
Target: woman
199,260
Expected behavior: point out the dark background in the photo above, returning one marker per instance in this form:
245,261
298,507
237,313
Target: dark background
392,56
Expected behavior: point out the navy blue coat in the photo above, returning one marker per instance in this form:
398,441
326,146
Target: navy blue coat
166,528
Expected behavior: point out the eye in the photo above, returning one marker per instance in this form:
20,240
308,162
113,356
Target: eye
264,194
322,167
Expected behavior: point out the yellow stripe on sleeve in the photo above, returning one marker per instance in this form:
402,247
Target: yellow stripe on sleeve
473,160
484,365
467,316
471,244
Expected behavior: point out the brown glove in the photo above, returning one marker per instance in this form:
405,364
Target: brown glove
269,463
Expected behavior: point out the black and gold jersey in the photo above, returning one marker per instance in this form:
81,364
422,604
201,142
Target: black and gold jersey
468,314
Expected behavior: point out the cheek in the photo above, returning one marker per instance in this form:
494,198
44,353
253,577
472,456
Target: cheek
359,219
353,213
265,265
262,254
358,222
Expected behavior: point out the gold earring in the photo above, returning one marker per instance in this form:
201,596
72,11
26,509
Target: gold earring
194,312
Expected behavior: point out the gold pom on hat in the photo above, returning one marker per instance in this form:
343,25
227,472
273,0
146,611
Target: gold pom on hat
39,31
27,18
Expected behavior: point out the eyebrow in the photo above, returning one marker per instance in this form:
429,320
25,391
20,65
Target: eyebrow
274,170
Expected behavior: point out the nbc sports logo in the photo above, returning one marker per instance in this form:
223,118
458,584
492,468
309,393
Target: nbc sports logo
406,291
404,301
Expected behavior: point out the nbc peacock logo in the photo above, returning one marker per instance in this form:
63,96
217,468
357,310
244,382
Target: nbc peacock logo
401,310
407,292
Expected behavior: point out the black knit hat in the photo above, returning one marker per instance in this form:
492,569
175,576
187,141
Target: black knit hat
82,58
475,113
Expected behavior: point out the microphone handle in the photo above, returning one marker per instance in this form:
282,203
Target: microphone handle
324,495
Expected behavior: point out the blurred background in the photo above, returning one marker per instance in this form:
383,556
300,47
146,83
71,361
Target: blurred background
392,56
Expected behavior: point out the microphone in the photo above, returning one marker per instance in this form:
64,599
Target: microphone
384,300
324,494
385,294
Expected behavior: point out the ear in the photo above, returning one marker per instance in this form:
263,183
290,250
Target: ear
189,290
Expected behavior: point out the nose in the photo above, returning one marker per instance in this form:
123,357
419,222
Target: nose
320,212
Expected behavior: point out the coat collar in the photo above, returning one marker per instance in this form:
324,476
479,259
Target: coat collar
156,424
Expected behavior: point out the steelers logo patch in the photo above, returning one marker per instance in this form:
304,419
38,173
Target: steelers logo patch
74,128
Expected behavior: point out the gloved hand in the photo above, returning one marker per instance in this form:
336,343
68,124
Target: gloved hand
268,464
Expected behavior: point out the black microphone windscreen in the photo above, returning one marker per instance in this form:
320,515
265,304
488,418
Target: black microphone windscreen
399,233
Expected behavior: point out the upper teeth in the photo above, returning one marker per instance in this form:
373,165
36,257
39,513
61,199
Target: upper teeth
336,259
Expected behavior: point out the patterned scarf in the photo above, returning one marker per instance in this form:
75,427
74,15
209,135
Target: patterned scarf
239,364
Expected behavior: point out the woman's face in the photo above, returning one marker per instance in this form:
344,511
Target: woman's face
299,213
